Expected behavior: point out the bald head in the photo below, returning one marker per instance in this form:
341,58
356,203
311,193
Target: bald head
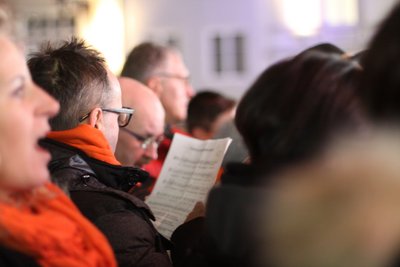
146,104
147,122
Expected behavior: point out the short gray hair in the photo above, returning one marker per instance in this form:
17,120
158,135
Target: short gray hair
144,61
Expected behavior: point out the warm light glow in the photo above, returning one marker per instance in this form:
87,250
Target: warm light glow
341,12
105,32
303,17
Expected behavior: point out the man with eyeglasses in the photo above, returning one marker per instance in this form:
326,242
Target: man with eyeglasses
162,69
138,142
82,143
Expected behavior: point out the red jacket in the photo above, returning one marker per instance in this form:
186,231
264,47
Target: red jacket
154,167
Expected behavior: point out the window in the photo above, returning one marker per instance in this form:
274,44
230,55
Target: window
306,17
47,28
228,53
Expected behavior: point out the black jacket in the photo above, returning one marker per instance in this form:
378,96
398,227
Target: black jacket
228,234
100,190
10,257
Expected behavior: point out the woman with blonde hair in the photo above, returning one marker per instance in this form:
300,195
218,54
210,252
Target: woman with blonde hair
39,225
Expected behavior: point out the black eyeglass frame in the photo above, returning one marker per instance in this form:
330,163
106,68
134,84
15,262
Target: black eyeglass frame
124,110
146,141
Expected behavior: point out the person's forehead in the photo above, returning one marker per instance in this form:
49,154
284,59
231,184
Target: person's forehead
134,95
146,127
12,63
147,116
148,119
175,64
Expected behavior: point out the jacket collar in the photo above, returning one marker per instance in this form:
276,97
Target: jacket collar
87,139
115,176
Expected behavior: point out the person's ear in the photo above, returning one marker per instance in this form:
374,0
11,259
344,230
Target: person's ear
96,119
155,84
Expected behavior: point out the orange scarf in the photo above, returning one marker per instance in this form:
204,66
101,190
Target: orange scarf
88,139
46,225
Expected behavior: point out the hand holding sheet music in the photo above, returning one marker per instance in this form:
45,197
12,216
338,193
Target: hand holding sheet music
188,173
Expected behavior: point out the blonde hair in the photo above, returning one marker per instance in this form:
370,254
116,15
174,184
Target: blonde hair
338,211
6,18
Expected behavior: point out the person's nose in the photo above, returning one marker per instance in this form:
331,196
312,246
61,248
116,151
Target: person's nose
151,151
189,90
46,105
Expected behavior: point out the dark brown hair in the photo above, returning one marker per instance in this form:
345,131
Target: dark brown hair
205,107
295,105
75,75
380,87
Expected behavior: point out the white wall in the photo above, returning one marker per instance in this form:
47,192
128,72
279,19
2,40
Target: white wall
193,22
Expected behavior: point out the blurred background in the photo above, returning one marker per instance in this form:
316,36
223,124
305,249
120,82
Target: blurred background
225,43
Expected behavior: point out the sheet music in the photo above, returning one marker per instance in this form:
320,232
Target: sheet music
188,173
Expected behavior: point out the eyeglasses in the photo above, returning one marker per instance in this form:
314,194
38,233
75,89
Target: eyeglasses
174,76
124,115
146,141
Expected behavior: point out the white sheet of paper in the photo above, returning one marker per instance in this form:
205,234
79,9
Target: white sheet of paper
189,171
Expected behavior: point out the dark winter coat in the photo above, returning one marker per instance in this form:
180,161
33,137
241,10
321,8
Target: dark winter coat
227,236
100,190
10,257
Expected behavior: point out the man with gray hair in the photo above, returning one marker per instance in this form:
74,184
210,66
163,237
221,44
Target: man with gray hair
162,70
82,144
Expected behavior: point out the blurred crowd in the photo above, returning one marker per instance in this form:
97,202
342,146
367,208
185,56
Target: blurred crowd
311,179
